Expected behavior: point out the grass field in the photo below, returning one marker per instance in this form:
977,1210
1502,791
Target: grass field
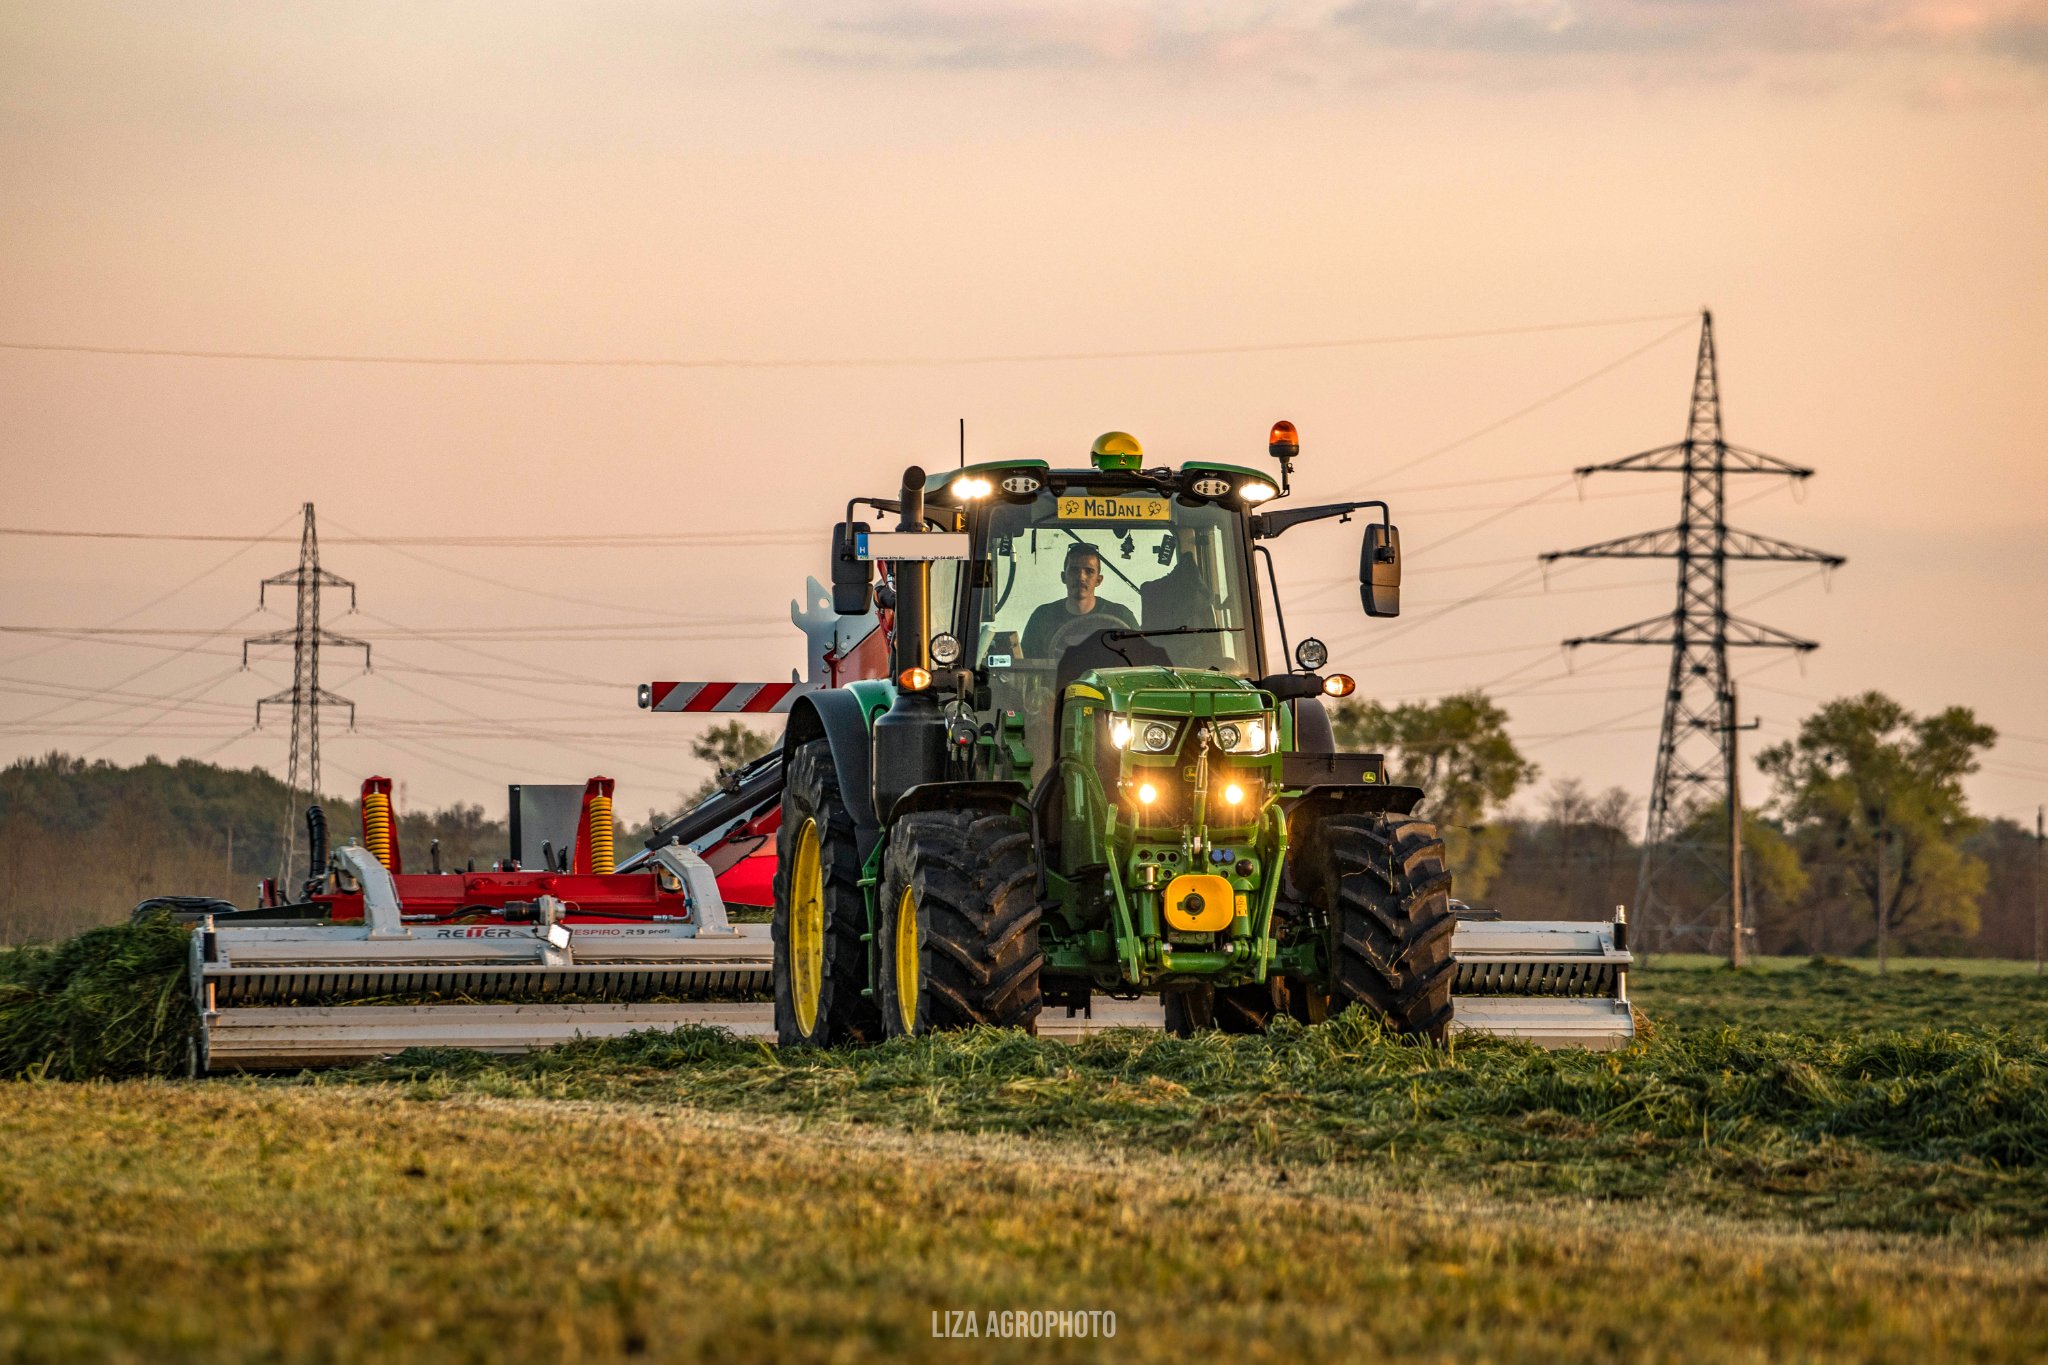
1811,1164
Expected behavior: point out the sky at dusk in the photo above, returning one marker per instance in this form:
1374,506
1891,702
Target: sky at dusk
858,224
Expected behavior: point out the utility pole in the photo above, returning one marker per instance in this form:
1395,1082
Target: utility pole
1738,919
2040,840
305,696
1696,750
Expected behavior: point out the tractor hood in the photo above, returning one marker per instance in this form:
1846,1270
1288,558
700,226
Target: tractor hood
1171,691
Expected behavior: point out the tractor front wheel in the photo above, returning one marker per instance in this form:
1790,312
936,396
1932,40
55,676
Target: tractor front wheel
1384,887
958,937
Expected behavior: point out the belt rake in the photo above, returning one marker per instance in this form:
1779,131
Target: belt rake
373,960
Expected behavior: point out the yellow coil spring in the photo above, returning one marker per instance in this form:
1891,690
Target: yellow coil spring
602,856
377,826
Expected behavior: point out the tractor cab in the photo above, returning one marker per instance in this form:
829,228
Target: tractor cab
1075,570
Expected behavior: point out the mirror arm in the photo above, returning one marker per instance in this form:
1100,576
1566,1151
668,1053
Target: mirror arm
893,505
1269,525
1273,582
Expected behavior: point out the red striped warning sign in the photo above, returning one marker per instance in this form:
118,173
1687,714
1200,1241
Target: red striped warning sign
744,698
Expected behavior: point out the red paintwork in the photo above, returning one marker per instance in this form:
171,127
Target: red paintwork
751,881
590,899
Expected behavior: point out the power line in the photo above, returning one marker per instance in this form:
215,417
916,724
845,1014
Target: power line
510,541
1545,401
852,363
157,601
569,598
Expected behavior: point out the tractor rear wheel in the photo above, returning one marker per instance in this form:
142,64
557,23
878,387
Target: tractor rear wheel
820,917
958,936
1384,887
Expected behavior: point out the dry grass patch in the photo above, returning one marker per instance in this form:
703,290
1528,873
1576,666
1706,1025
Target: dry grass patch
153,1221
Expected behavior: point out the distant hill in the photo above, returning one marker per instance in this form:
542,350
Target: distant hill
81,843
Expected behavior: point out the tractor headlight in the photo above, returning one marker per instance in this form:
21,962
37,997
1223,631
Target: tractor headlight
1254,736
1143,735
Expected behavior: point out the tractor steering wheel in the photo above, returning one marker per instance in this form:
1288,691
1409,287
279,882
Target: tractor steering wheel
1080,628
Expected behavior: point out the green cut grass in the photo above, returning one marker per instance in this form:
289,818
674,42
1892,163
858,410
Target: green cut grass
1959,966
1925,1131
111,1002
1829,997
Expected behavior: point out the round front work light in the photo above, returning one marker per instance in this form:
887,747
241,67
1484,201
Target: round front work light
914,679
1021,485
1158,737
1227,737
972,486
1256,490
1233,794
1147,794
1311,654
1339,685
1210,486
945,650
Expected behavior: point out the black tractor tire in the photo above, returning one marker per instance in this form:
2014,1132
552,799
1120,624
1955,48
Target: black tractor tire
959,906
1228,1009
1382,883
841,1011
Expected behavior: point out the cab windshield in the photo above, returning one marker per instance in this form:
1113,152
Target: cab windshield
1064,567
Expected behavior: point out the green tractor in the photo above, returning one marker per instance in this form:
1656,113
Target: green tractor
1083,775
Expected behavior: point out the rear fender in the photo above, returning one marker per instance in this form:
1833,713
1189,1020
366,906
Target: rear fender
959,795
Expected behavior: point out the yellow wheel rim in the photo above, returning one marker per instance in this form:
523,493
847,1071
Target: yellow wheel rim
807,927
907,964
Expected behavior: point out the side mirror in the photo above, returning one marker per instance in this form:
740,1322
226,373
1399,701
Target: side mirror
853,578
1379,570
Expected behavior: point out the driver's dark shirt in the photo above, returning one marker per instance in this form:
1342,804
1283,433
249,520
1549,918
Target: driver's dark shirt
1045,623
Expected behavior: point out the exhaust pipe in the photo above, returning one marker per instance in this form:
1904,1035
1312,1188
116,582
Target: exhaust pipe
910,737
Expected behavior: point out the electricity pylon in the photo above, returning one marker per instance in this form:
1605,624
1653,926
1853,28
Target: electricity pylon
305,696
1696,752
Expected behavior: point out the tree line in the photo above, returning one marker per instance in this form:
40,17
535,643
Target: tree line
1865,817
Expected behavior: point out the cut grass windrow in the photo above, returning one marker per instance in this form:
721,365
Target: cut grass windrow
112,1002
1925,1130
